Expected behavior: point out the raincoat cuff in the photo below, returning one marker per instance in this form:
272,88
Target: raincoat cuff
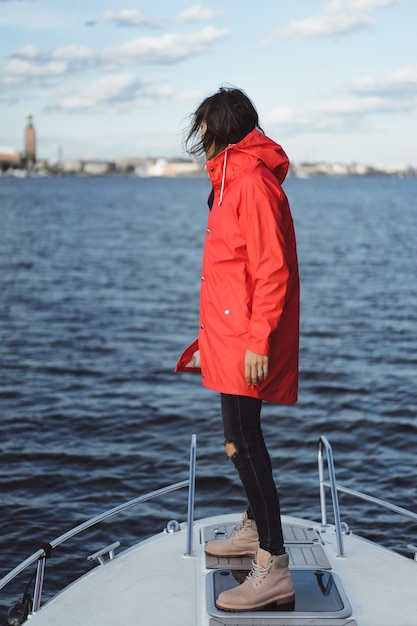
186,357
259,346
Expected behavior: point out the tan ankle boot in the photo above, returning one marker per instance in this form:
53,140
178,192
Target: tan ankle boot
269,581
243,540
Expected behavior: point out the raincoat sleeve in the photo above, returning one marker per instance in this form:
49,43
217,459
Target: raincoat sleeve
186,357
264,221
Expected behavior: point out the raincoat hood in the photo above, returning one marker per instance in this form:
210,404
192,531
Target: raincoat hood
236,157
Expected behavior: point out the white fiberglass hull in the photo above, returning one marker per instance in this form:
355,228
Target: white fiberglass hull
154,584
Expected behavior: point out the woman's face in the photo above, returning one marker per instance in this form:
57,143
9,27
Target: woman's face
211,151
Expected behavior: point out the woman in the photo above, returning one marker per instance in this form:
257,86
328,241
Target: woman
247,347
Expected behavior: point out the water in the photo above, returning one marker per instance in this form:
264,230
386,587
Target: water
99,294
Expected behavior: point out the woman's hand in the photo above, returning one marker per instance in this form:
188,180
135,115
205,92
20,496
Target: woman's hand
195,360
256,367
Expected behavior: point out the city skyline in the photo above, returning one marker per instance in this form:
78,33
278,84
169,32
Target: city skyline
332,80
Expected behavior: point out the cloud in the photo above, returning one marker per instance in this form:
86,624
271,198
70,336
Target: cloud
399,84
169,48
358,5
130,17
195,13
31,17
336,17
101,93
30,65
114,93
339,115
33,66
326,25
363,100
133,18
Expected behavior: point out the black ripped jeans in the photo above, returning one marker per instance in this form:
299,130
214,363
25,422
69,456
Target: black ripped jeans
242,428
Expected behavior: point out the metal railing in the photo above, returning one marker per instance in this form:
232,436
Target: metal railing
323,443
191,492
44,552
335,488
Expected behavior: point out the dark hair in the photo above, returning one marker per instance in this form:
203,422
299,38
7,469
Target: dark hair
229,116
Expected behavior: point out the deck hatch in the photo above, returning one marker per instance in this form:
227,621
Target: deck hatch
319,598
265,621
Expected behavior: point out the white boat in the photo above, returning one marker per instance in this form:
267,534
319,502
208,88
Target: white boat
167,580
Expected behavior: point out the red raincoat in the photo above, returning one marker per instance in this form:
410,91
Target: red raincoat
249,297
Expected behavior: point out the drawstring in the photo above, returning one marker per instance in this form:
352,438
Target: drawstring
223,178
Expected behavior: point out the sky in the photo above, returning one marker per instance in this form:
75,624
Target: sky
332,80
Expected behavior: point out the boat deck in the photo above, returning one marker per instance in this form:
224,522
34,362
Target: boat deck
155,584
151,584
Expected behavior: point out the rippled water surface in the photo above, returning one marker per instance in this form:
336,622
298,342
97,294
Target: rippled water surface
99,281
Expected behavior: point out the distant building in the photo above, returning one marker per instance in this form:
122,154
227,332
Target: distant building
183,167
9,157
97,168
90,168
127,165
74,166
167,167
30,143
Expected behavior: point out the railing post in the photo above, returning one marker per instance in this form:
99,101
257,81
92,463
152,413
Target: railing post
191,493
321,482
332,477
37,594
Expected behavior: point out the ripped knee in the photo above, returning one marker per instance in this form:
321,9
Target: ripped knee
230,449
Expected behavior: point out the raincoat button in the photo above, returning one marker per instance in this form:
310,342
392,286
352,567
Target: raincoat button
227,312
208,231
203,278
202,326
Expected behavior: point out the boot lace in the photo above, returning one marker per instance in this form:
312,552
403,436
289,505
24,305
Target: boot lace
257,573
242,527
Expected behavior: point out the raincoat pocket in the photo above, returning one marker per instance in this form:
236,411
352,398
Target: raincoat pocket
232,310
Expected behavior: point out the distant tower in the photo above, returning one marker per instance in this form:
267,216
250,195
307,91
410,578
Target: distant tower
30,143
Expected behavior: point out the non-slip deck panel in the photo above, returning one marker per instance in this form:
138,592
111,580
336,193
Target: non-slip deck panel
302,545
293,533
302,556
298,534
307,556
